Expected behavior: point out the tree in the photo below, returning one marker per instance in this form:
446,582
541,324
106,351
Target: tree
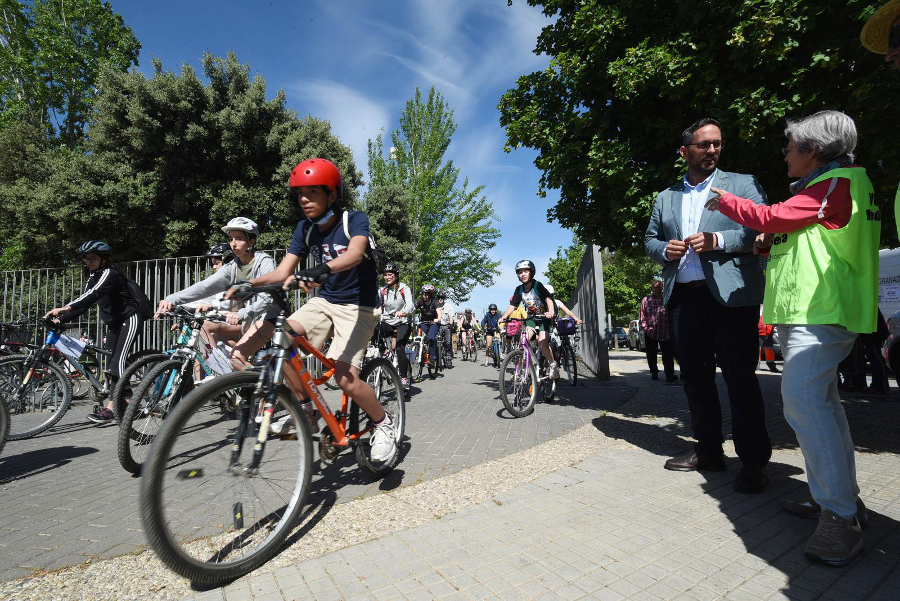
452,223
51,54
388,210
170,159
626,77
562,270
626,280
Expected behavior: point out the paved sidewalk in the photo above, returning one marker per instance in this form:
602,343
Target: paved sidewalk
588,514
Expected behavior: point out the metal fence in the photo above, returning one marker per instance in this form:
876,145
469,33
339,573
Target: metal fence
589,303
28,294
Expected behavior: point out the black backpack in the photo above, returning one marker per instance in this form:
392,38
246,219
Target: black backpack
145,307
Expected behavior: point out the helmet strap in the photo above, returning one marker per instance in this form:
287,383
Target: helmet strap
328,214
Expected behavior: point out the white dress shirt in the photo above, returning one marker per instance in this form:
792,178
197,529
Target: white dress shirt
689,268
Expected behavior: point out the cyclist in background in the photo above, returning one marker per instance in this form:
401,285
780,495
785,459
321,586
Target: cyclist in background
396,310
561,306
430,316
254,323
466,327
538,303
118,310
347,305
490,323
446,322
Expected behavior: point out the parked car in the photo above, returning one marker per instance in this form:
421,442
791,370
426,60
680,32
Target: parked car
621,334
636,340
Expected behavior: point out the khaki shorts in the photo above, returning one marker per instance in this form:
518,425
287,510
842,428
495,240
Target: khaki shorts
351,325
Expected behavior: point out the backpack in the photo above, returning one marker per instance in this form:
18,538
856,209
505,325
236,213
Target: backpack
374,253
145,307
384,295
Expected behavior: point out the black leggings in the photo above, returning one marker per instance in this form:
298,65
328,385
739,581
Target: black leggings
402,331
119,338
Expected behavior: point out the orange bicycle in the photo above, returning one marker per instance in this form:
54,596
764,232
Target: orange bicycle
220,494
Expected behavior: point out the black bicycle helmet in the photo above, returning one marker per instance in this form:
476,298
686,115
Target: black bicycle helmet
492,307
222,251
392,268
441,294
98,247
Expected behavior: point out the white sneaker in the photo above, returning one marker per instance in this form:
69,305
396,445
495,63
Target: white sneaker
383,440
281,426
554,370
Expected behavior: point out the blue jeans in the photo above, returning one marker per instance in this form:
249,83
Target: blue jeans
813,408
430,331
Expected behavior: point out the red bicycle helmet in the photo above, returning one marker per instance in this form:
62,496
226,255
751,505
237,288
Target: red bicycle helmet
317,172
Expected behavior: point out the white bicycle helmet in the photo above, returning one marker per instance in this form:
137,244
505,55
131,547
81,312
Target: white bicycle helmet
242,224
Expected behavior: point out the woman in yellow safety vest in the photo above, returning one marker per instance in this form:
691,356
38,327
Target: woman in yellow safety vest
820,293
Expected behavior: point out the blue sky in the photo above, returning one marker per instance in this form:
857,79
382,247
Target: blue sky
355,63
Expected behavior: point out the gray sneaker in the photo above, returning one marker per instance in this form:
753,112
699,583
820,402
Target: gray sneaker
807,508
836,541
383,441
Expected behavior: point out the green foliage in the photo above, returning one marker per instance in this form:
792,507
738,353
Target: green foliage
451,224
626,280
170,159
625,78
51,54
562,270
388,209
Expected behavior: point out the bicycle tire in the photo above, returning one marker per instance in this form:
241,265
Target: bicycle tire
393,399
56,396
517,385
159,392
4,424
569,364
417,372
548,385
131,378
474,352
195,445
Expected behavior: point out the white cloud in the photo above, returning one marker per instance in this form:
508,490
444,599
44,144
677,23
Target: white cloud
354,117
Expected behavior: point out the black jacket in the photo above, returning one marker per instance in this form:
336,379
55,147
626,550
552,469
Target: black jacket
108,289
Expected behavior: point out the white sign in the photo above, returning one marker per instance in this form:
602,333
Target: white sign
70,346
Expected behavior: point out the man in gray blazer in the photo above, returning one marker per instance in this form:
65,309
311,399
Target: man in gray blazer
713,288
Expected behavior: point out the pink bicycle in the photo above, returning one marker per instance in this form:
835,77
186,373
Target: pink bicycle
523,372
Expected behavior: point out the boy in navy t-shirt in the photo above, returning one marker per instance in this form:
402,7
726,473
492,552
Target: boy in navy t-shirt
347,305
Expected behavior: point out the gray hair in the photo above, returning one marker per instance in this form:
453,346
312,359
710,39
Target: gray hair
832,134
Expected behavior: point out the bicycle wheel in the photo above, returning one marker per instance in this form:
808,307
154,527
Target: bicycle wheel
43,400
496,353
548,385
209,516
393,401
166,384
417,368
474,352
131,379
517,384
568,367
4,424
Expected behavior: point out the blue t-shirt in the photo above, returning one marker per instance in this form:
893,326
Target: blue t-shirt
356,286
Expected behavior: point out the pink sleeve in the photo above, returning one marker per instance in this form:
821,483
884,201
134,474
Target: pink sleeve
796,212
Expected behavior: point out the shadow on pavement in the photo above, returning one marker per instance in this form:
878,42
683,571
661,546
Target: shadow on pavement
31,463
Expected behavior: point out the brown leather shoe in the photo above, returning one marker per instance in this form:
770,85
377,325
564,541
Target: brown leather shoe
690,461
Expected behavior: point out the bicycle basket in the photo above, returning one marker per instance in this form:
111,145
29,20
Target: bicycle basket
565,326
513,328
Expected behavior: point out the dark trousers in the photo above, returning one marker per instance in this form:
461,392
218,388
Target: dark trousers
668,359
430,330
119,338
706,332
402,331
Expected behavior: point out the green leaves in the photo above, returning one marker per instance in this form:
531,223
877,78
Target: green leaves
626,78
169,160
414,196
